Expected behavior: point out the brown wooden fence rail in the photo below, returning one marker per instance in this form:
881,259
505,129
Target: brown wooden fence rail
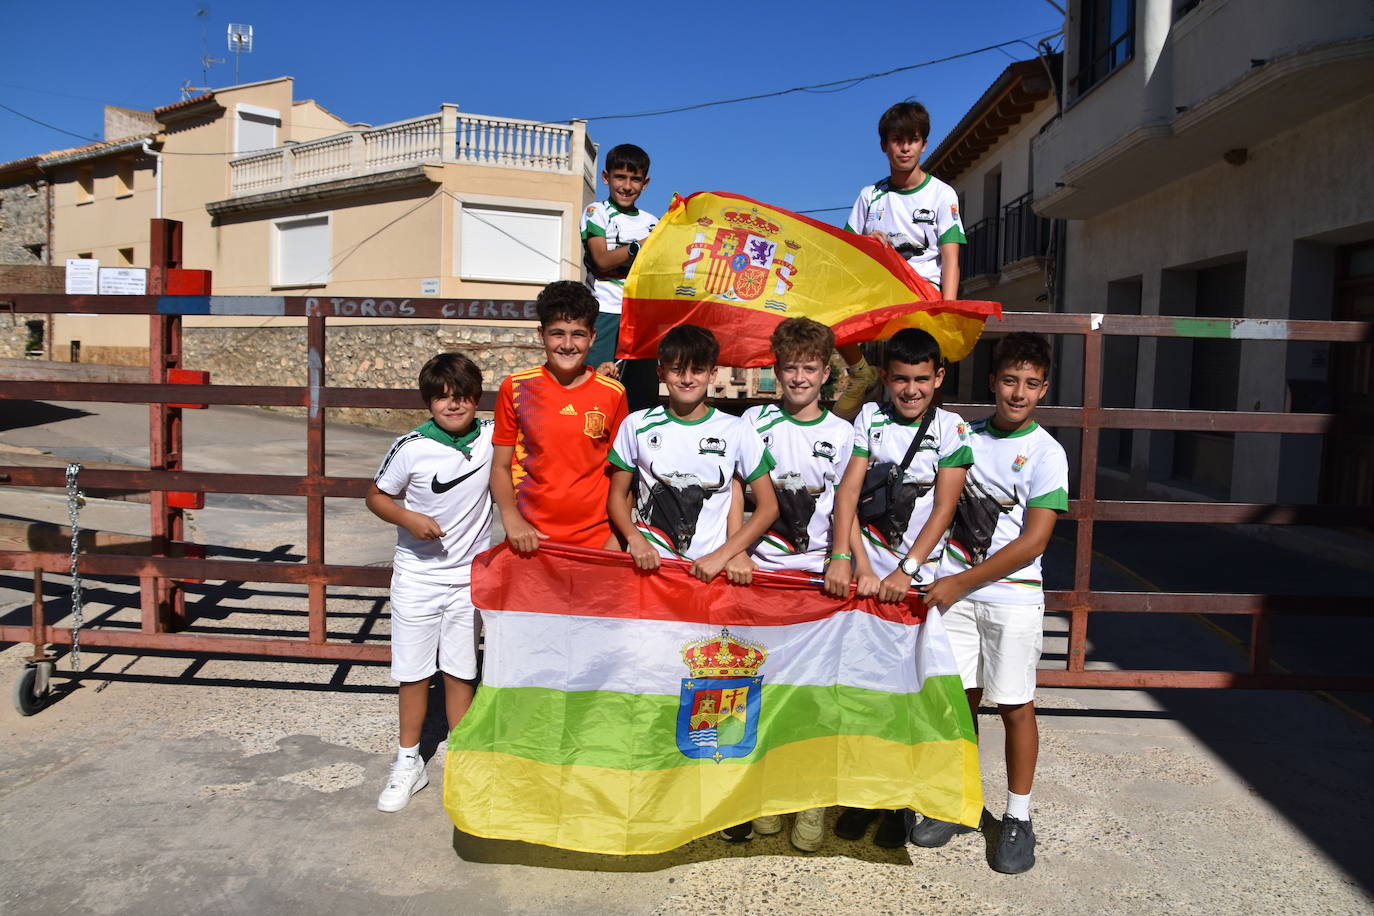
161,600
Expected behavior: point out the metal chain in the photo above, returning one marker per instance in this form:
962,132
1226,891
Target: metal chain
74,502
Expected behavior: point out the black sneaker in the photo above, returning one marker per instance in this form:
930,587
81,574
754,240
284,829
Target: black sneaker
853,823
1015,852
891,832
740,833
932,833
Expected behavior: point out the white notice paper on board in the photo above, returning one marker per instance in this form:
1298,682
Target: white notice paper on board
429,286
83,276
123,281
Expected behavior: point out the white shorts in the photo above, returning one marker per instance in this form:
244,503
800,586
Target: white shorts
997,647
433,628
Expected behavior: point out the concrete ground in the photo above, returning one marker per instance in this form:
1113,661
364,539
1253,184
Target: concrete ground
159,784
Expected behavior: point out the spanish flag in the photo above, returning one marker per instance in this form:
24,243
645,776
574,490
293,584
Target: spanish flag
622,712
738,267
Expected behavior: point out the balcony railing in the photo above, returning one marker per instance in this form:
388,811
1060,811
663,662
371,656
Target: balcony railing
1024,235
1016,233
980,254
448,136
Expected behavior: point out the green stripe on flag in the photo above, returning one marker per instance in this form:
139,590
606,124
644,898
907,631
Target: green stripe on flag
638,731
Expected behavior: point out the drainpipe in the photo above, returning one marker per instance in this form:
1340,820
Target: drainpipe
157,174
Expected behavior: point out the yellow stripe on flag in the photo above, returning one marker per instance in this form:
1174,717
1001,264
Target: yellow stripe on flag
619,812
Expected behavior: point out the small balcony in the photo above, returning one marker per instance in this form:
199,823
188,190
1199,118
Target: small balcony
1014,235
448,136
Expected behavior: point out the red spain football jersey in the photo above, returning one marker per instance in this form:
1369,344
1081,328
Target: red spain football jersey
561,438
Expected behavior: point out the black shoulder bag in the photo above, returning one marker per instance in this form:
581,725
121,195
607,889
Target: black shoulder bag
883,480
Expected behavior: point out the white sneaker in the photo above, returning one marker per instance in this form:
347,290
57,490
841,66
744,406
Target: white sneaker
406,778
808,828
769,825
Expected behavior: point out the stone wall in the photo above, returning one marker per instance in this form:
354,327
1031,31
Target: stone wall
24,223
358,356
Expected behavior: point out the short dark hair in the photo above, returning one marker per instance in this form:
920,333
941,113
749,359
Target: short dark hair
688,346
912,346
905,120
1022,348
450,374
566,300
801,338
627,156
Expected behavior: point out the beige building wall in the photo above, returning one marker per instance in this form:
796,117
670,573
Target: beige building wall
386,236
310,121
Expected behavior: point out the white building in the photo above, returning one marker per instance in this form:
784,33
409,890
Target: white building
1213,159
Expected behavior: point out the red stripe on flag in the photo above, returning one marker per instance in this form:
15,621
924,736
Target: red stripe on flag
743,332
577,581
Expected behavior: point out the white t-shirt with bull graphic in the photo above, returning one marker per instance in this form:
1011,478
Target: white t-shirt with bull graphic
682,503
1016,471
917,221
811,456
879,435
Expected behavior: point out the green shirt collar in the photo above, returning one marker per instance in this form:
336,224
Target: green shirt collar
431,430
996,433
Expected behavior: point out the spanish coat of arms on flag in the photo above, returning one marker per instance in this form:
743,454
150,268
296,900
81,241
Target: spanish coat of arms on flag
739,267
628,712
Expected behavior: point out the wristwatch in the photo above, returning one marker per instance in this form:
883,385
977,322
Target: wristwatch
633,248
910,566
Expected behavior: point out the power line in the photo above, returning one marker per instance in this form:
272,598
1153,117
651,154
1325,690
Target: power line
838,85
60,130
846,83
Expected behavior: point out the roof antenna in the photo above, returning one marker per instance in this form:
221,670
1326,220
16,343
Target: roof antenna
240,42
187,90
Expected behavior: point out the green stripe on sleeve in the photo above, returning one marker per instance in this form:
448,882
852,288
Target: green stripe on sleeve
766,464
619,462
962,457
953,234
860,452
593,229
1057,500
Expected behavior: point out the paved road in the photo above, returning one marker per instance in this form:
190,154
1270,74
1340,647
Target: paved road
160,784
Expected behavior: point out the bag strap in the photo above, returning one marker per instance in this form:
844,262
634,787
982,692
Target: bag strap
920,434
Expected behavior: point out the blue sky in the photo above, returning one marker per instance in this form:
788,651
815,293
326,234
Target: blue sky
537,60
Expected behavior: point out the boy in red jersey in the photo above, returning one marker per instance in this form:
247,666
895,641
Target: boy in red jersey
554,427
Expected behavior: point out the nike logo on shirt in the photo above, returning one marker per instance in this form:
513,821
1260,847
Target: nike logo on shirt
444,487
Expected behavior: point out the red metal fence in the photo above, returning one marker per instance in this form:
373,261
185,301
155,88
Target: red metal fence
163,614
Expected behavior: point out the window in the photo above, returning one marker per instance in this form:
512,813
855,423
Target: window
255,128
514,245
124,177
1106,40
85,185
300,251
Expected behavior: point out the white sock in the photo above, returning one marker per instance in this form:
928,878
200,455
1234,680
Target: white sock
1018,806
413,753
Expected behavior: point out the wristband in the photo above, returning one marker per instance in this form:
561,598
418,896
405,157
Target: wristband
842,556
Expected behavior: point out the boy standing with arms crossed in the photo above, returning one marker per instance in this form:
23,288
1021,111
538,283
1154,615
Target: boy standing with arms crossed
686,454
990,587
916,213
902,546
554,425
812,448
612,230
444,522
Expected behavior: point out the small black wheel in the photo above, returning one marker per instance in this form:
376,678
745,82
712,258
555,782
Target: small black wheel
28,699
